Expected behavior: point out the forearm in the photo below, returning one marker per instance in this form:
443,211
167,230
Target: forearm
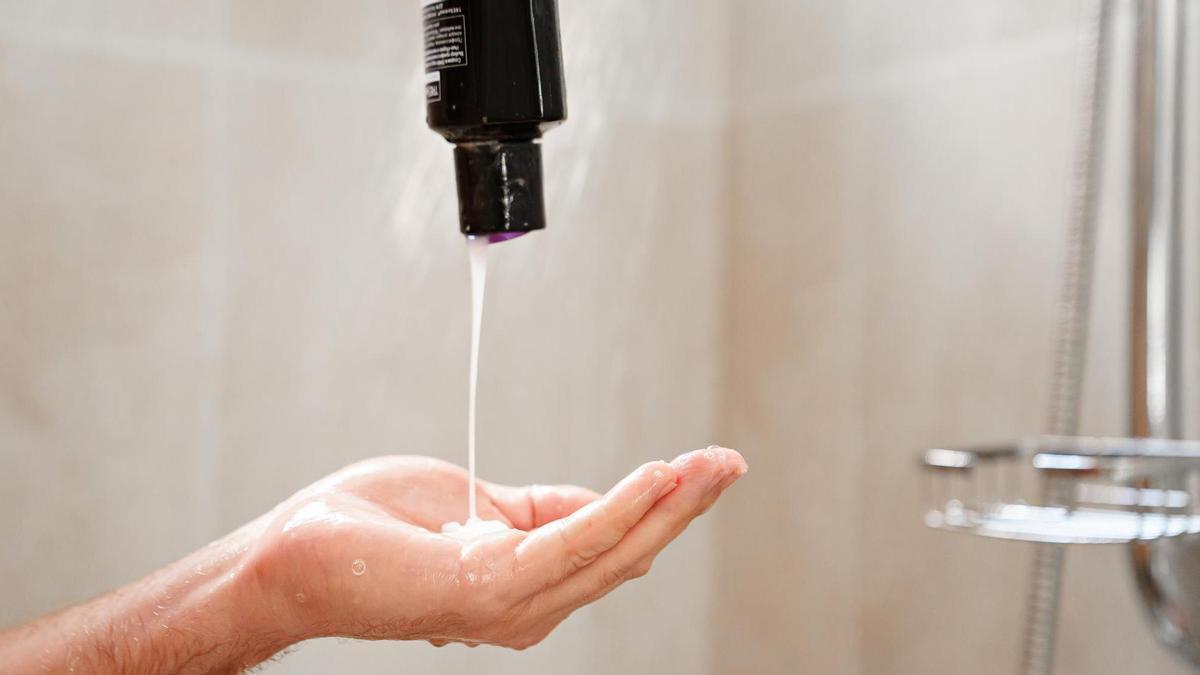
203,614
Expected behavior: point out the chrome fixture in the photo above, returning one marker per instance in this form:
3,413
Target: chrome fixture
1142,491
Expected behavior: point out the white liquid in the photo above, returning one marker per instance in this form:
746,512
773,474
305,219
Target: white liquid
474,529
477,249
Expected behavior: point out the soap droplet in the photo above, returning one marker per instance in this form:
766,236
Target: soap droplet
713,447
359,567
658,473
300,598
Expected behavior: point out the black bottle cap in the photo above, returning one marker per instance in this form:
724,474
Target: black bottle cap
499,187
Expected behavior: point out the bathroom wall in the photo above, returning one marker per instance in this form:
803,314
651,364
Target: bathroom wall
827,233
229,264
900,175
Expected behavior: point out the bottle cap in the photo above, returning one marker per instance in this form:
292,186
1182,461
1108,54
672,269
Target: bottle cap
499,188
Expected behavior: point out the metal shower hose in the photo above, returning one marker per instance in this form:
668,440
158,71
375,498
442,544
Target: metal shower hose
1072,333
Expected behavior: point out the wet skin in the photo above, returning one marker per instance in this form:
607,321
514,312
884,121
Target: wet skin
360,554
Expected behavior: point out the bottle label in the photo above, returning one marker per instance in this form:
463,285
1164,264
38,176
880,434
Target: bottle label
445,35
433,86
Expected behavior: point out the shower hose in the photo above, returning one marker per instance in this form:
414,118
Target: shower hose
1070,348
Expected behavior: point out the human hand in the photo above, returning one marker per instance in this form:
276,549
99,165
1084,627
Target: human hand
360,553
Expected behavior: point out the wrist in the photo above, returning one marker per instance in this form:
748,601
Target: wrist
206,613
203,614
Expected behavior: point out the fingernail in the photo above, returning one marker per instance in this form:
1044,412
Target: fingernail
737,459
740,469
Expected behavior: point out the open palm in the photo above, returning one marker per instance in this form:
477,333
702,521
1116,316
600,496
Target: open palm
360,553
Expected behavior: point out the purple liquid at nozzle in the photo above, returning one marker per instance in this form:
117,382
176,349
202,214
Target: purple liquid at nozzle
500,237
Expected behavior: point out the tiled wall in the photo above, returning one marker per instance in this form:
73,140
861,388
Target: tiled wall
900,198
229,263
828,233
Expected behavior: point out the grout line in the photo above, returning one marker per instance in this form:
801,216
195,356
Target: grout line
874,81
251,63
219,250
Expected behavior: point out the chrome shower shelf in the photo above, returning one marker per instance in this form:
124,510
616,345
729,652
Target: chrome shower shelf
1067,490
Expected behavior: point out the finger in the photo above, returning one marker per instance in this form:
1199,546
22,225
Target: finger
553,552
643,565
703,475
533,506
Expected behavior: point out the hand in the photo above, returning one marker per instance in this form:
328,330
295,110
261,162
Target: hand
360,554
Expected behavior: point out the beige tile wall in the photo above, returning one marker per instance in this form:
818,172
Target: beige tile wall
826,232
229,264
899,202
